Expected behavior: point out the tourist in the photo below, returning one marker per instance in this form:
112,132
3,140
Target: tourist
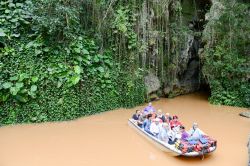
168,118
175,122
161,116
184,134
136,115
163,134
149,109
141,119
195,133
172,136
155,127
147,123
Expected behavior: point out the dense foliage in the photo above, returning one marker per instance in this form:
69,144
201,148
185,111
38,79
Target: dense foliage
62,59
226,57
50,70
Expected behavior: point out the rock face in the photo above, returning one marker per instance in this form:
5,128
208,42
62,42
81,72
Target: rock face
188,75
215,10
152,83
188,79
245,114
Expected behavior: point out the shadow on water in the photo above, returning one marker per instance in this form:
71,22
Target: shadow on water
197,159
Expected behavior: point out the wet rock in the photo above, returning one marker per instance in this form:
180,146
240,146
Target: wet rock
188,79
215,11
186,54
245,114
153,97
166,90
152,83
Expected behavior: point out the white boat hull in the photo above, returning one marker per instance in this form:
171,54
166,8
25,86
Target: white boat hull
163,145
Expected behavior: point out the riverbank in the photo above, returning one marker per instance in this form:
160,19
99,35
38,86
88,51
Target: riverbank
106,139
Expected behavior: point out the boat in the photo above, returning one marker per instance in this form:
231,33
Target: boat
171,149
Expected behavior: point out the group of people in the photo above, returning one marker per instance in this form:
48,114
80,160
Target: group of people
165,127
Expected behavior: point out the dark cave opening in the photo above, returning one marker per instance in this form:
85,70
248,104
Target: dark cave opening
194,12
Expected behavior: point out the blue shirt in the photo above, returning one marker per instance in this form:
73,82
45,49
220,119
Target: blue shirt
146,124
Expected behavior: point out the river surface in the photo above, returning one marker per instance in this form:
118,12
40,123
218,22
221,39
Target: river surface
106,139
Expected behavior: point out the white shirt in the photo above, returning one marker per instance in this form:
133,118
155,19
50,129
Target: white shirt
163,135
171,135
155,129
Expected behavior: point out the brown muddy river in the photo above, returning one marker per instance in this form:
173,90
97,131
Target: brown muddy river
106,139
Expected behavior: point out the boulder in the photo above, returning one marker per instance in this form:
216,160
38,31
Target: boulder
245,114
153,97
152,83
167,89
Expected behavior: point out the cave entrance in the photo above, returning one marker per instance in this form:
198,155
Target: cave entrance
194,12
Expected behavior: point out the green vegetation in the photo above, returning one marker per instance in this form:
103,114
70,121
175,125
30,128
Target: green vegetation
51,70
226,57
62,59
